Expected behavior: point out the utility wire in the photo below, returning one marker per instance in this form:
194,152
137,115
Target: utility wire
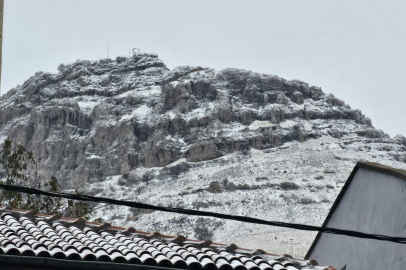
303,227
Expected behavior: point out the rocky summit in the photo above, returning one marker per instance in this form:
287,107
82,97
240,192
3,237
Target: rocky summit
230,141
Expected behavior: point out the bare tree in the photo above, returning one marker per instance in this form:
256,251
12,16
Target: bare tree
146,177
16,166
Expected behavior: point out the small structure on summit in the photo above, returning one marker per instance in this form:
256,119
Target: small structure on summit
372,201
136,51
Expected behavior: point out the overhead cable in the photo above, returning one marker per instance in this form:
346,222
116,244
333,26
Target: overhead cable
81,197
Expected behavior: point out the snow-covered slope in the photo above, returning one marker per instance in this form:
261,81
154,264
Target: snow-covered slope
230,141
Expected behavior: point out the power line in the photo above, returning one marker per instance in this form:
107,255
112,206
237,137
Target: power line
303,227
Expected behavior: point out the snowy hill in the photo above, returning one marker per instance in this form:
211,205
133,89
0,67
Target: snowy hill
231,141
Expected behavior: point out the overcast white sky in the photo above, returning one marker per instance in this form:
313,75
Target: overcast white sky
353,49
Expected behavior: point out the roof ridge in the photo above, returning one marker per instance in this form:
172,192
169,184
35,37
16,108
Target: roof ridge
382,169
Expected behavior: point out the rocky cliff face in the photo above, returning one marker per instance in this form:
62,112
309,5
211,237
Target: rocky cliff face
232,140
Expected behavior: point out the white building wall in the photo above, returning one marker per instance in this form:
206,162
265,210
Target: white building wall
373,203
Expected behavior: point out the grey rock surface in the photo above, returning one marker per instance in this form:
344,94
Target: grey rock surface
194,137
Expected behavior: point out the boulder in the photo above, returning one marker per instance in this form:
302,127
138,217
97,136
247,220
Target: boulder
214,187
297,97
400,139
202,150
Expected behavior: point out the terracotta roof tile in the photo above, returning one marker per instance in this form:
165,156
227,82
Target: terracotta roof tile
28,234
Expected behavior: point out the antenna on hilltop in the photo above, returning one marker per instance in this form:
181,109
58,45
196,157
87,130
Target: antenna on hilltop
108,45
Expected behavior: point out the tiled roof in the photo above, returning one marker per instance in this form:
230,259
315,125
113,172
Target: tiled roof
25,233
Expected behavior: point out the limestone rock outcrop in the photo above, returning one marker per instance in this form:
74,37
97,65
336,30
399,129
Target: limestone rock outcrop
95,119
